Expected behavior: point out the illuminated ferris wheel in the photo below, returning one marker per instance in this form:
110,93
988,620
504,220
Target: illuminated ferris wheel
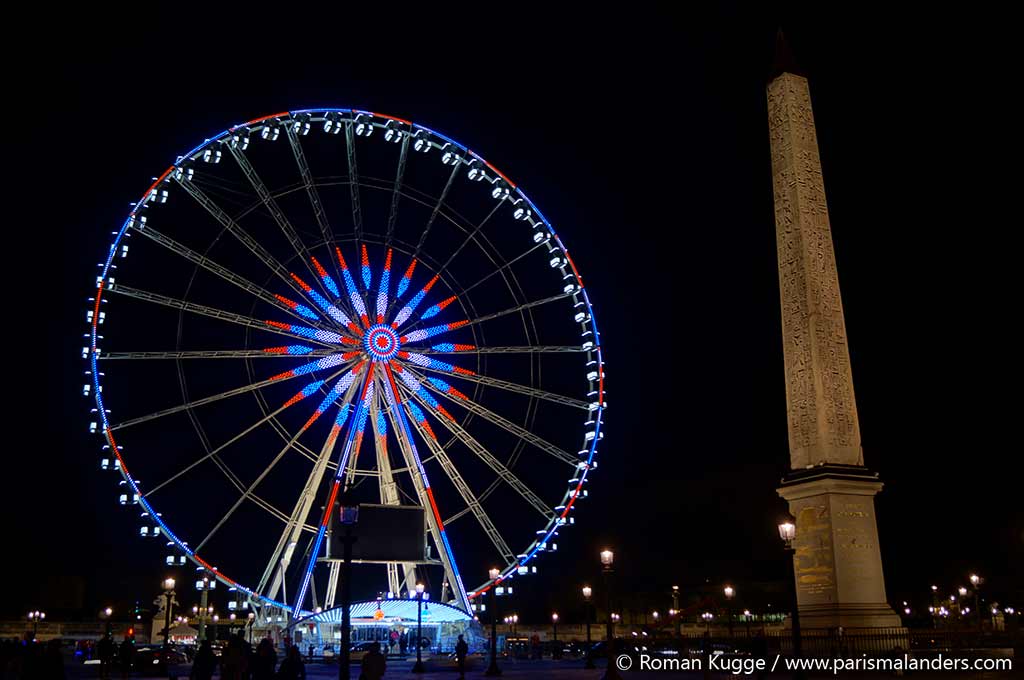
333,299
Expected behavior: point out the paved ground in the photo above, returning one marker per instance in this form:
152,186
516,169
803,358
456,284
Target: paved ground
570,670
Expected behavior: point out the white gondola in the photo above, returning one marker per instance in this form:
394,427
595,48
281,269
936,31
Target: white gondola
522,210
212,154
500,190
449,154
421,142
364,128
240,140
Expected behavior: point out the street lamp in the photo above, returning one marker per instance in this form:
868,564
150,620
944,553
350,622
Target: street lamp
730,593
204,585
493,669
168,586
252,620
607,560
418,667
787,532
35,617
587,593
348,516
105,615
555,653
746,618
675,607
976,582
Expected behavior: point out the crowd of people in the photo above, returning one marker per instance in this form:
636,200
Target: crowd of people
33,660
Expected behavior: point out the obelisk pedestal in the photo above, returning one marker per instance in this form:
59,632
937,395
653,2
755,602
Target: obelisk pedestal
838,567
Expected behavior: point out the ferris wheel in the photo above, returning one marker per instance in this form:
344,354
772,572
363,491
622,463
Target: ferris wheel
327,300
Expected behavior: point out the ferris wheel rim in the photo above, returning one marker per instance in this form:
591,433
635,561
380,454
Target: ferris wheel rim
105,284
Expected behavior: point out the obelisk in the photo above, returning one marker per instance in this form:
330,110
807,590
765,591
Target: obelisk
838,567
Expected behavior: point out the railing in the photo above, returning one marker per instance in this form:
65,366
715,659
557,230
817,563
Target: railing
834,643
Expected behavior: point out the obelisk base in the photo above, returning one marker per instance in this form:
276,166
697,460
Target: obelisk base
838,567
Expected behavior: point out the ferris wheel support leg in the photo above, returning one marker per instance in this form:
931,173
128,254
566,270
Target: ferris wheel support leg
423,493
388,489
332,585
293,530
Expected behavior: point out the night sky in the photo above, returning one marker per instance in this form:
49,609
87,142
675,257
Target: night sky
644,140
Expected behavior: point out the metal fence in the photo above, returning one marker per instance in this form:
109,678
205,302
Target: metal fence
844,643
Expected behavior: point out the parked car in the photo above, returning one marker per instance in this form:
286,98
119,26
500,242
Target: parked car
154,660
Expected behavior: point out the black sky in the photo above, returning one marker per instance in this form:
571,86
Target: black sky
644,139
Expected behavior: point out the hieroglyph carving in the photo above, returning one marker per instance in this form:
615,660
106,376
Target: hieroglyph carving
823,425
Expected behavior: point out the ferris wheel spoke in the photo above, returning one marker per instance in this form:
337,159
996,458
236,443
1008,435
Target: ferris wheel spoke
436,366
437,209
263,475
320,337
232,227
205,400
237,437
287,351
403,156
449,348
271,205
470,236
487,457
440,387
224,273
502,268
518,308
353,182
472,503
310,184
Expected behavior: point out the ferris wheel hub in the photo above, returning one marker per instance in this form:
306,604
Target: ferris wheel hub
381,342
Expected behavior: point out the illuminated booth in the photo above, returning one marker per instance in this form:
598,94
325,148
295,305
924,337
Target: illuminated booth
374,620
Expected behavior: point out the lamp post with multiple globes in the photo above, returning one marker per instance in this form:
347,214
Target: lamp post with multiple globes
35,617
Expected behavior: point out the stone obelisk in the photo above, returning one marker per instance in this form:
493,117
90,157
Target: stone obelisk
838,567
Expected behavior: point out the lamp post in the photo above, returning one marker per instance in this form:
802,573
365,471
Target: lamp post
607,559
587,593
252,620
35,617
348,516
730,593
787,532
168,586
707,617
746,618
555,652
418,666
675,608
493,669
976,582
105,615
204,584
